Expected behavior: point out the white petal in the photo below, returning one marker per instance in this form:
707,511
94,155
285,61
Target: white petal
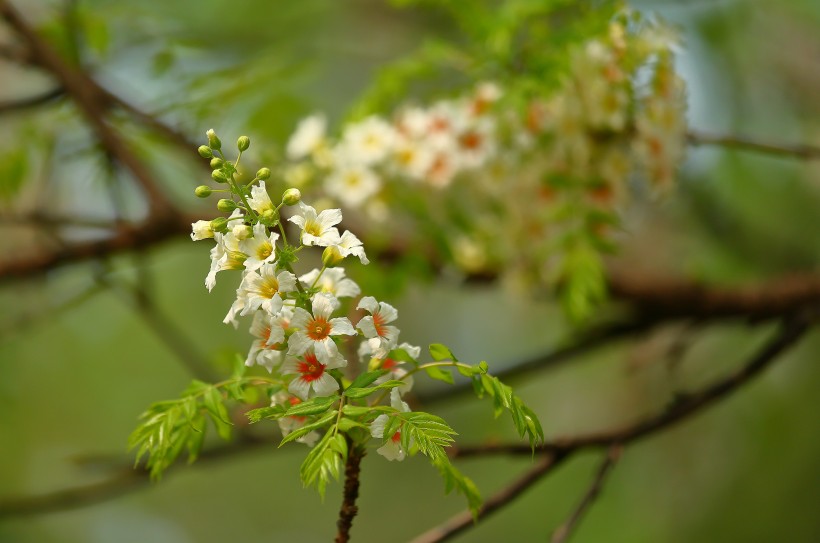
388,312
367,327
299,387
300,318
325,385
377,426
299,343
341,325
368,303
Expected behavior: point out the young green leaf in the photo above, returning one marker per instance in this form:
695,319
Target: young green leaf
441,352
314,406
436,372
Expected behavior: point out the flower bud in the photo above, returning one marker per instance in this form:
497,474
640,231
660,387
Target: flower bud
220,224
243,143
219,176
213,141
203,191
331,256
216,163
263,173
291,197
225,205
268,215
205,151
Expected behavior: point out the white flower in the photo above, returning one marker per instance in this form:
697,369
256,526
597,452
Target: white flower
332,282
412,158
266,350
263,289
348,244
381,336
308,137
392,449
201,230
259,200
311,374
316,330
369,141
261,248
226,255
352,184
290,424
317,229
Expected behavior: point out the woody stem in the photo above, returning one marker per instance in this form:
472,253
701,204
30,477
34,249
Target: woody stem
351,491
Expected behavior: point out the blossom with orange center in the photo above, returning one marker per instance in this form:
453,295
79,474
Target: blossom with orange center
381,336
269,334
315,330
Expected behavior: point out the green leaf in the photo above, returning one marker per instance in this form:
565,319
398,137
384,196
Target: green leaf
455,480
314,406
322,464
255,415
356,393
365,379
400,355
13,169
428,432
441,352
436,372
346,424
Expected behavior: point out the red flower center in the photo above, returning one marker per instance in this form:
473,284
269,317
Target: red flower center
310,368
389,364
396,437
318,329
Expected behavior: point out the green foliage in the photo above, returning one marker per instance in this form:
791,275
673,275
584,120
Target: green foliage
169,427
324,462
13,171
455,480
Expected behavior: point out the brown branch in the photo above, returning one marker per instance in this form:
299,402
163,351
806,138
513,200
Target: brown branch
802,151
676,298
464,520
554,452
78,87
11,106
563,532
351,491
125,479
683,406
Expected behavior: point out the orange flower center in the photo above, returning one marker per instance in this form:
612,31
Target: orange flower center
318,329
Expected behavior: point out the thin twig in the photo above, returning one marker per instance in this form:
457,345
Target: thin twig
563,532
802,151
10,106
464,520
349,508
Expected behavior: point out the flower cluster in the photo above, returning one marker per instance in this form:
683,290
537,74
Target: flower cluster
498,169
293,319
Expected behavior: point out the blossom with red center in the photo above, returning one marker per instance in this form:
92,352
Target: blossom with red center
381,337
315,331
392,449
312,374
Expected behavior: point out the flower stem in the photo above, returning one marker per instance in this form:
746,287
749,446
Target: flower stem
351,491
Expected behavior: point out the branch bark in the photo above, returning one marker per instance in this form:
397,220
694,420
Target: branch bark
351,491
802,151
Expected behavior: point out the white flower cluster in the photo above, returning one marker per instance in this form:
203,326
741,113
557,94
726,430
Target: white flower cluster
292,318
515,162
421,145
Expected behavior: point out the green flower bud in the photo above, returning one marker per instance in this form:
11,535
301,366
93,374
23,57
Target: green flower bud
213,141
263,173
332,257
219,176
226,206
216,163
203,191
291,197
219,224
268,215
205,151
243,143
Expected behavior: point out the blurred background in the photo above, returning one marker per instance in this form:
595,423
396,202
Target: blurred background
81,357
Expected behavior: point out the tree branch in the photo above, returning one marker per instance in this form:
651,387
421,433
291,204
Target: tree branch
351,491
557,451
563,532
802,151
84,94
464,520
